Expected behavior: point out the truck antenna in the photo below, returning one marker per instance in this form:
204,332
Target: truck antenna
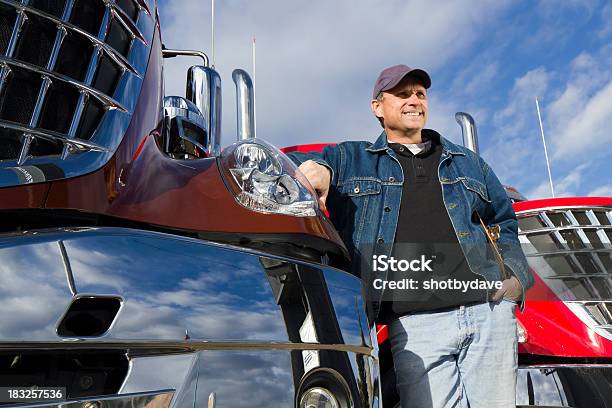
254,93
552,189
212,33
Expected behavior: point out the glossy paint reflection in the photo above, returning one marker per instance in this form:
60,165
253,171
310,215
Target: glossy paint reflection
588,386
170,284
176,288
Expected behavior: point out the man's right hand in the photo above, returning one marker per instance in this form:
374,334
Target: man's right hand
319,178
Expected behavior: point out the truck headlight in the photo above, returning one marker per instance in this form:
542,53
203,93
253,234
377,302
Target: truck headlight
318,397
263,179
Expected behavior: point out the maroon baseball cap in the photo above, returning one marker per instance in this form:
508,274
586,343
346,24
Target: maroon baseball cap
392,76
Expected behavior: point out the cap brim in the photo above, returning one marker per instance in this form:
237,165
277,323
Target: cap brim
417,73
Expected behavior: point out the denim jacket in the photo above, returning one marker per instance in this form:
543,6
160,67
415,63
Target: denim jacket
364,203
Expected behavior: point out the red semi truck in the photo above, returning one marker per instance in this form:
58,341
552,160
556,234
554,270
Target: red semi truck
140,265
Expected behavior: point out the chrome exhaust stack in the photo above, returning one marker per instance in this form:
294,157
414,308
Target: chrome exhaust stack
468,130
244,104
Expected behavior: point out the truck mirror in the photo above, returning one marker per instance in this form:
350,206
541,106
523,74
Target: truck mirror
204,90
186,135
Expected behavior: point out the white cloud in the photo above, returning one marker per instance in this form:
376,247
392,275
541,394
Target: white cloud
556,8
565,186
316,63
514,147
602,191
521,100
606,18
582,126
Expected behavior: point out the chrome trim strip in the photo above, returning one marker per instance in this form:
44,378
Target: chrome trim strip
93,65
116,56
561,365
119,14
600,231
59,38
158,347
116,400
49,135
4,73
40,100
568,252
567,227
103,98
585,240
25,149
581,276
67,10
67,268
103,30
21,18
76,116
604,326
560,208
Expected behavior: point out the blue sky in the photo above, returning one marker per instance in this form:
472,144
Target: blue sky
317,62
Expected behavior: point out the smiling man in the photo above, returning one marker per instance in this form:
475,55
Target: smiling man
412,194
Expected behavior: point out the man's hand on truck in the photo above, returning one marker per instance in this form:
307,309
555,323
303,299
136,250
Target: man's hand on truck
319,178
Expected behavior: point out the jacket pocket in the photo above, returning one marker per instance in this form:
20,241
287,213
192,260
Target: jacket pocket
361,187
475,186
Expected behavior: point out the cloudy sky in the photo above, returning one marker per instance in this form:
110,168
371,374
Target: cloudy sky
317,62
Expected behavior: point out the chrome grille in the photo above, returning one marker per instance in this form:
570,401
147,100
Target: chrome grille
69,70
571,250
596,315
571,245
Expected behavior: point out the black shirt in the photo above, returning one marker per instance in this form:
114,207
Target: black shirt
425,231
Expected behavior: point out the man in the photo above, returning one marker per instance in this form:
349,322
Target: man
416,197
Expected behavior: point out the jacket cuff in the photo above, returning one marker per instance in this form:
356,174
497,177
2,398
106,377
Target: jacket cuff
324,163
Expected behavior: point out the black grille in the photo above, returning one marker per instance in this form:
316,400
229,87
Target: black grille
7,21
19,96
87,14
58,80
91,117
55,7
43,147
71,61
107,76
60,104
11,144
118,37
129,7
36,41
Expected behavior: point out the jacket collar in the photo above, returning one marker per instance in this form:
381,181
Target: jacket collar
448,147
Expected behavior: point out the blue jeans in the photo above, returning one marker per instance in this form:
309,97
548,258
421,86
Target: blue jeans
463,357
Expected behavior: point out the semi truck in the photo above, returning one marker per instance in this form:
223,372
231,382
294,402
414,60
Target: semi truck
141,264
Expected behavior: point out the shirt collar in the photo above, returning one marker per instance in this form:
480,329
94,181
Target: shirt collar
381,143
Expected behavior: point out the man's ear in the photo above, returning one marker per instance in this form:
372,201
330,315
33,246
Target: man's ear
377,108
